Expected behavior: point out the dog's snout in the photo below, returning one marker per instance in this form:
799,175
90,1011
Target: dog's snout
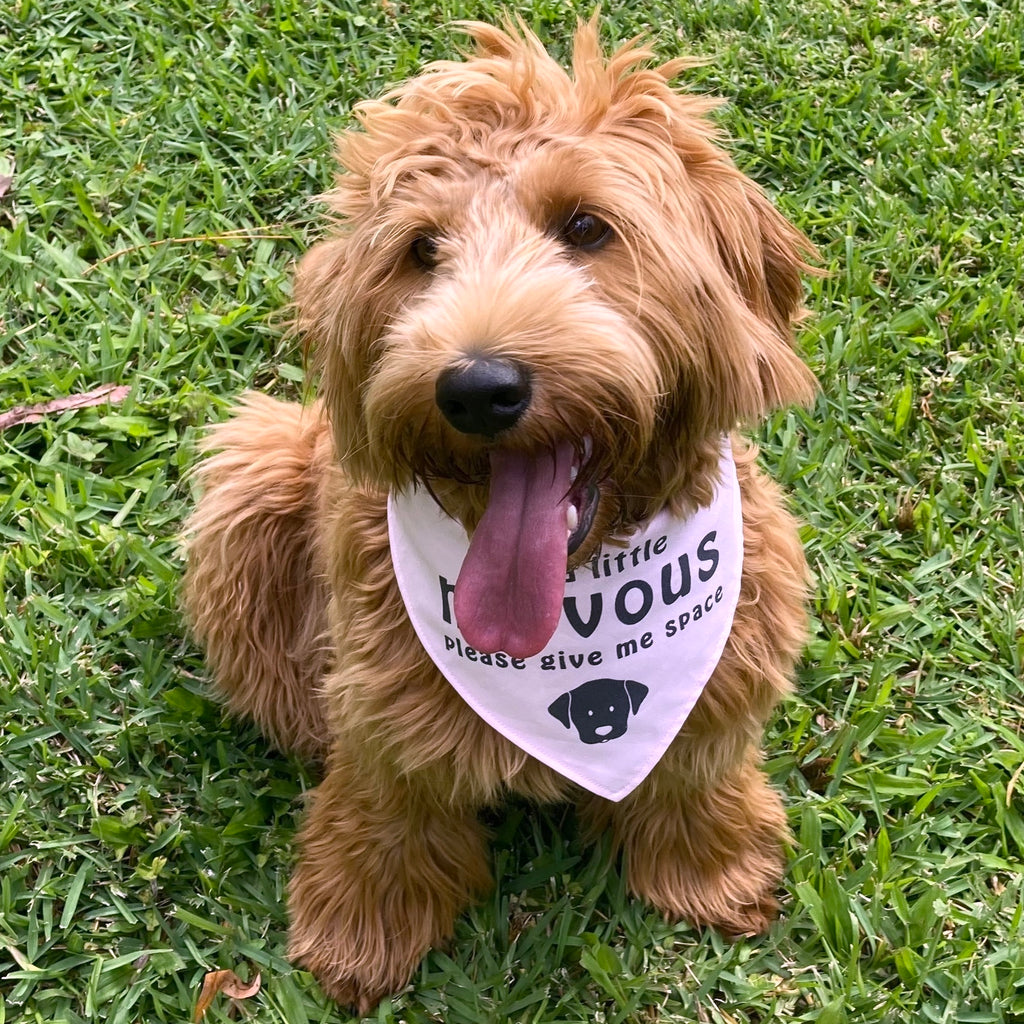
484,396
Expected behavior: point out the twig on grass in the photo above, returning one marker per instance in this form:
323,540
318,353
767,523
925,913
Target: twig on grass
222,236
36,413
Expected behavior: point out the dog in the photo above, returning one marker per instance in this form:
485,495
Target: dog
544,303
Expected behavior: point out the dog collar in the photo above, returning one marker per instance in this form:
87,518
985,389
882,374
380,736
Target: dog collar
643,626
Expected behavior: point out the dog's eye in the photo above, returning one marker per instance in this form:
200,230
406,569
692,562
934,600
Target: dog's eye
587,232
424,251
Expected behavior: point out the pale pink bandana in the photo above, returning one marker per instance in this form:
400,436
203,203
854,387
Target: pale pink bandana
642,628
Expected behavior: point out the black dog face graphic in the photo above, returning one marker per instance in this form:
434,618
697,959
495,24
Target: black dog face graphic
600,708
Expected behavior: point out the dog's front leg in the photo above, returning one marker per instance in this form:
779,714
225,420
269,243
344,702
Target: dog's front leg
384,868
709,852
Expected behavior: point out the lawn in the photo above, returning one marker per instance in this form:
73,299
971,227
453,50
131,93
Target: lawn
157,163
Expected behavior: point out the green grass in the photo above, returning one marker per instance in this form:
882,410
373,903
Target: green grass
144,839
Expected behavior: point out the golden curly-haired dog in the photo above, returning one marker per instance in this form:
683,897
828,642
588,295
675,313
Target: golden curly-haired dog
529,274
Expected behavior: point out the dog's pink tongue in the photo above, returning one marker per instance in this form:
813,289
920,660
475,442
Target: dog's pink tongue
508,596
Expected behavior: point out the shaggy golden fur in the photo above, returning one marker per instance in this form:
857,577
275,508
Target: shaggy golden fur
671,330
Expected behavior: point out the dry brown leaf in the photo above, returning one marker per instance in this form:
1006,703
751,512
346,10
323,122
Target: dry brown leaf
6,180
226,982
35,413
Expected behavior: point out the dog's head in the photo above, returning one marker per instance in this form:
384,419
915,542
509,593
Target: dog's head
599,708
546,296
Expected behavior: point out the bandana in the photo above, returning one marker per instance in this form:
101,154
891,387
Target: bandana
642,627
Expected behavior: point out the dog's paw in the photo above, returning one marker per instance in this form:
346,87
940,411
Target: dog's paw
380,879
736,897
737,905
355,973
751,919
359,995
713,857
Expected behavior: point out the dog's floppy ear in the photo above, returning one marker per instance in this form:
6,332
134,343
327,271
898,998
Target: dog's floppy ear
775,291
765,257
332,346
316,275
559,708
636,693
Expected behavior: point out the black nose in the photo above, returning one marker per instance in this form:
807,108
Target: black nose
484,396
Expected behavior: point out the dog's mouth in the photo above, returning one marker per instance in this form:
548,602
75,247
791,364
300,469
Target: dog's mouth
540,509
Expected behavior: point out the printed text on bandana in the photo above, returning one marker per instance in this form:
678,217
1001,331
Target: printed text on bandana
632,604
